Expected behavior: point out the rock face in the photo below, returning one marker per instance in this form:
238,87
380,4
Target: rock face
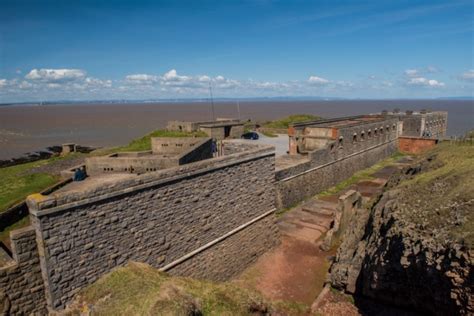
411,247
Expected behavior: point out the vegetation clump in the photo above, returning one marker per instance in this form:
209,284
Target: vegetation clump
144,143
439,200
285,122
138,289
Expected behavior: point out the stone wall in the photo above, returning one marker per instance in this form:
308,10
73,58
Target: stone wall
156,218
357,148
21,284
226,259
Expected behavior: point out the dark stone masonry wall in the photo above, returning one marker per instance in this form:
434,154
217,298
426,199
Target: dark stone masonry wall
358,147
305,185
21,284
231,256
158,221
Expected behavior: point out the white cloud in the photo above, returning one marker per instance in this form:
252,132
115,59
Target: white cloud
141,78
468,75
317,80
25,85
56,75
3,83
172,75
421,81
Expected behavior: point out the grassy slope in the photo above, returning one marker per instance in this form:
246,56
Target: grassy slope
442,196
139,289
366,174
286,121
16,184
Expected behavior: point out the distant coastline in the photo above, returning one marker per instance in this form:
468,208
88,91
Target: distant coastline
254,99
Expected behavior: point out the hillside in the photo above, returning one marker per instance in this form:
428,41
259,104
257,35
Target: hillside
414,247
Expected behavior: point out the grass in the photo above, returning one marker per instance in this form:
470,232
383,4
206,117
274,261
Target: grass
363,175
144,143
5,234
16,184
138,289
440,197
287,121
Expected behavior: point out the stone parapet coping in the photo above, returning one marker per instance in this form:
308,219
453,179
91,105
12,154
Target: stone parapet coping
41,205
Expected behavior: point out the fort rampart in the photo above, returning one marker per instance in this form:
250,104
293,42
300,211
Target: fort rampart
352,149
206,219
21,285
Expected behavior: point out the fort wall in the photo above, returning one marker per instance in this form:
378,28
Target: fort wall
159,218
355,148
21,285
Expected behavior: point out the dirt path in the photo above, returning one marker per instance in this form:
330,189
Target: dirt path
295,271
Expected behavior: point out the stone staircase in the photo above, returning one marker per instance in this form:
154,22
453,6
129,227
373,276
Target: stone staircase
309,221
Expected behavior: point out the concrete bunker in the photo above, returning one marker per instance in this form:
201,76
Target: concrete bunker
218,129
166,152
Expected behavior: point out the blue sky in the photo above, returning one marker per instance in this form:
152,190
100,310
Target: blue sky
80,50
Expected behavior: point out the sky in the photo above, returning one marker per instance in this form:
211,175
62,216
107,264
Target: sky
100,50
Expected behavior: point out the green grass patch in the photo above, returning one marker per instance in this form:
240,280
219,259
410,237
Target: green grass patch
287,121
5,234
144,143
17,184
138,289
363,175
440,197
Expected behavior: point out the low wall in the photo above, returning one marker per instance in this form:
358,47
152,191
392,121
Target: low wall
167,153
415,145
175,145
305,180
21,285
158,218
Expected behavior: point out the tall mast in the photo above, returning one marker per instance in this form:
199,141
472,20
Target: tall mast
212,101
238,109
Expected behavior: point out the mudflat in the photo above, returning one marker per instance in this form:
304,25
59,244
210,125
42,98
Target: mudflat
26,128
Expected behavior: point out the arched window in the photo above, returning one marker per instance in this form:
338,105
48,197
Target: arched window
354,138
362,135
341,141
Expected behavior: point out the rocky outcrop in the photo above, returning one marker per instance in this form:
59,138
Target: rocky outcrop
413,247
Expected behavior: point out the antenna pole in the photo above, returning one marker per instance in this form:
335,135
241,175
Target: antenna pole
212,101
238,109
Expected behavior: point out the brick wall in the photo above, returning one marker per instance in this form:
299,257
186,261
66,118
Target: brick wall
415,145
21,285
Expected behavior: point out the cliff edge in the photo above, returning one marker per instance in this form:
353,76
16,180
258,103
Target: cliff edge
414,246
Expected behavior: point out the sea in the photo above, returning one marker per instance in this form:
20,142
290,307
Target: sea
30,128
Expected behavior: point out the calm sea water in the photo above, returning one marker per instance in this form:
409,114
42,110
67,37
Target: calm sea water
26,128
